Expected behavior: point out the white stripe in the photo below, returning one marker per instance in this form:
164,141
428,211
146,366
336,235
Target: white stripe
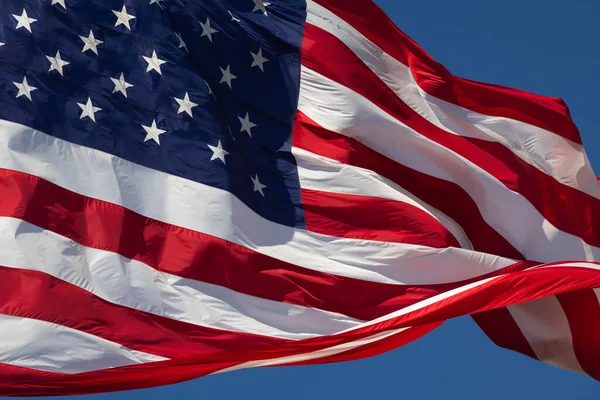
445,296
555,355
327,352
328,104
431,301
543,323
170,198
559,353
324,174
133,284
580,264
50,347
556,156
546,328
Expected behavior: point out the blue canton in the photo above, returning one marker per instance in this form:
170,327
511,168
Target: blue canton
203,89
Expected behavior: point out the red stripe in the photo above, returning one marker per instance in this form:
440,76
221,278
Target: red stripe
108,380
372,218
509,289
36,295
583,313
547,113
567,208
190,254
502,329
445,196
19,375
378,347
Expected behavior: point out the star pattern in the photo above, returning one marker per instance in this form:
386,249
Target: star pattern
121,85
154,63
90,43
177,105
218,152
247,125
24,89
59,2
57,63
185,105
181,42
258,60
23,21
258,187
207,30
123,17
199,147
260,5
152,132
88,110
227,76
233,17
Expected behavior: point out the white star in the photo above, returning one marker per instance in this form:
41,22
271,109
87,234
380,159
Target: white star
123,18
90,43
233,18
218,152
154,62
258,60
207,30
247,125
258,187
23,21
227,76
152,132
1,44
88,110
181,42
185,105
57,63
260,5
61,2
24,89
121,85
156,2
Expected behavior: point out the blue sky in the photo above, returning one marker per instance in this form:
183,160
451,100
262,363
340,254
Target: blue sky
545,46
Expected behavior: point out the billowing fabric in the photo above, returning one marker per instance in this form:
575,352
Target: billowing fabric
192,187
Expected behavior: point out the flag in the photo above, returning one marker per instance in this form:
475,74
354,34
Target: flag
194,187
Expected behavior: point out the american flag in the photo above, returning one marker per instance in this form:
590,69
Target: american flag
190,187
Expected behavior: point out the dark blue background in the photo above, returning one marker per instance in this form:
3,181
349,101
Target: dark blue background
545,46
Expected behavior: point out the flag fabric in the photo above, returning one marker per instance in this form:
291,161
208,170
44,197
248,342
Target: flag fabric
191,187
